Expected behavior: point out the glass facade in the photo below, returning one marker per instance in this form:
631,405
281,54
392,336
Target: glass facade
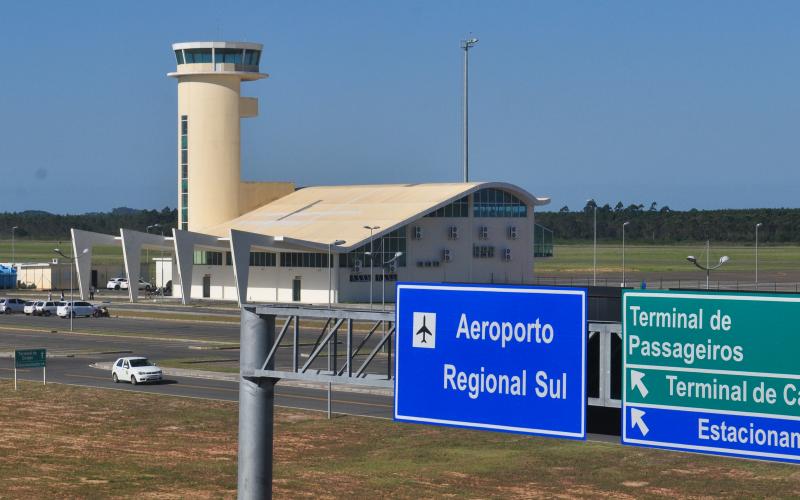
542,241
384,247
492,202
246,59
262,259
483,251
459,208
303,259
184,157
207,258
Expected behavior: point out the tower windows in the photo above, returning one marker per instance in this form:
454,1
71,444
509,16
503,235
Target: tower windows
184,155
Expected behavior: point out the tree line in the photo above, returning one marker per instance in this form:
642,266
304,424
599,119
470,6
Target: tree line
39,225
654,224
648,223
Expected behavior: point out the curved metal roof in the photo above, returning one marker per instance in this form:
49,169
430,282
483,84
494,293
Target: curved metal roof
315,216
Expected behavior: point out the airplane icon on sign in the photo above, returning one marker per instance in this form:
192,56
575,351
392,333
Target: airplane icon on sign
424,331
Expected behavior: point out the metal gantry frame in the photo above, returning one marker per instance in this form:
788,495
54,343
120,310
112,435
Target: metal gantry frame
261,342
259,345
606,331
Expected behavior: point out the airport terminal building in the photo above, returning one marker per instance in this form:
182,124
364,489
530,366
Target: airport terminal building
275,242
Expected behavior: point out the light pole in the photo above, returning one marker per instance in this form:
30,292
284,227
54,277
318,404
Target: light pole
707,268
330,269
371,259
13,248
397,255
594,246
623,251
466,45
757,226
71,287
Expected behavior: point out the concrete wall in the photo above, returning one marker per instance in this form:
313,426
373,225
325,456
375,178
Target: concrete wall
211,103
463,267
48,276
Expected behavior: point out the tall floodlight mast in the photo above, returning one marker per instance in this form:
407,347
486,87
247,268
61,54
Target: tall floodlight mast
466,45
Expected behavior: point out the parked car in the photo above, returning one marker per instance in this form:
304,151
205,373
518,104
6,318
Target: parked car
45,308
117,284
135,370
143,285
8,306
77,308
30,306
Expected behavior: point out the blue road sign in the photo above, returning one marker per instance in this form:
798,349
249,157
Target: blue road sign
498,358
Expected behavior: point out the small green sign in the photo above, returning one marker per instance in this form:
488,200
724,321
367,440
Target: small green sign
30,358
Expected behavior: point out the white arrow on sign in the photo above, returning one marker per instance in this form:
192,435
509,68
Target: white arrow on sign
636,421
636,382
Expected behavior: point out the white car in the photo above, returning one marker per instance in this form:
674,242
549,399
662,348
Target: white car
135,370
8,306
30,307
75,309
117,284
46,308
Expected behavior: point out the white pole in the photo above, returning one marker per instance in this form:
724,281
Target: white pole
757,226
708,268
371,275
330,277
15,374
72,295
13,248
466,113
594,252
623,254
44,375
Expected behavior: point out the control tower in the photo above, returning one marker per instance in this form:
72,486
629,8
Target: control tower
210,106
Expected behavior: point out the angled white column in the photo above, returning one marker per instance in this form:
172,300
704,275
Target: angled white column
185,241
241,244
86,240
132,243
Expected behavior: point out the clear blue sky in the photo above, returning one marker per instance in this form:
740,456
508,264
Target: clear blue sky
690,104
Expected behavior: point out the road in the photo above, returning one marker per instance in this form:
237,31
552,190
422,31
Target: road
98,340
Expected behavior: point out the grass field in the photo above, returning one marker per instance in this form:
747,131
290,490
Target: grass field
42,251
63,441
577,259
778,263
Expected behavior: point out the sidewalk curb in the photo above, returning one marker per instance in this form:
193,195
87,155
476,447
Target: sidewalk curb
234,377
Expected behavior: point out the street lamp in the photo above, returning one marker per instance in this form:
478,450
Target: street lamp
371,277
397,255
466,45
594,250
13,248
71,287
330,268
757,226
623,251
707,268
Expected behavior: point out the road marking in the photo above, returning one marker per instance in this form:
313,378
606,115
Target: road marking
192,386
141,336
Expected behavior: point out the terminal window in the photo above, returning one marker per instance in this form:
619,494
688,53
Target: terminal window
492,202
459,208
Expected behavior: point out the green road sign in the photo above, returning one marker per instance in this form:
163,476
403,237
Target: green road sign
713,372
30,358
